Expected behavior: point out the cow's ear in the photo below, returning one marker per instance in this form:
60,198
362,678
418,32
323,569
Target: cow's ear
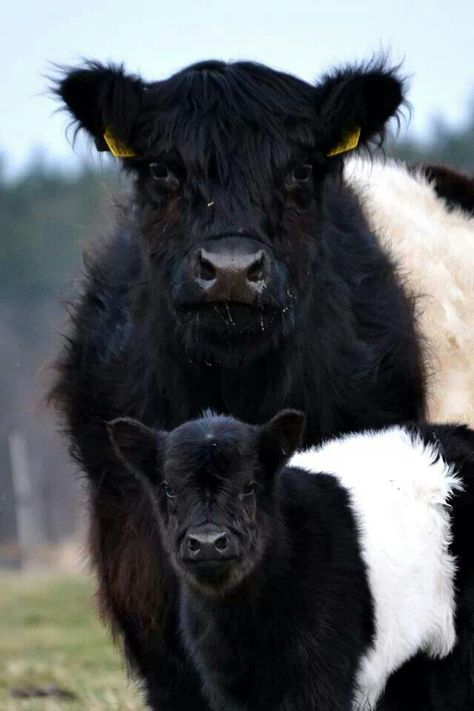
354,105
105,101
280,438
138,447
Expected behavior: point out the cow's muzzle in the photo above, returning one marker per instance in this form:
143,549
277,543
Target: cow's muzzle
231,269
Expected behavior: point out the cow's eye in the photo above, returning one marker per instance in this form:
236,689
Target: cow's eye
300,174
164,177
249,488
169,491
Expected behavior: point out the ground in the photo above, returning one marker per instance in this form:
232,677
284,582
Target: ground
51,640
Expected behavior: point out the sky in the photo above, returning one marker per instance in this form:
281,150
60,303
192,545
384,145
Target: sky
434,39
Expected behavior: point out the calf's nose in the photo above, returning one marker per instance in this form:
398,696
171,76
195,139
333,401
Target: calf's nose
209,544
231,276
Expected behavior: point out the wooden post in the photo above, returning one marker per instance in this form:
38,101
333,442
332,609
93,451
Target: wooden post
28,534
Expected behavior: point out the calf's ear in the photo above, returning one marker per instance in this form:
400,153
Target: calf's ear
137,446
105,101
354,105
280,438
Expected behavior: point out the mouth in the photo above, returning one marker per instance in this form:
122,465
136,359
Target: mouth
211,573
231,319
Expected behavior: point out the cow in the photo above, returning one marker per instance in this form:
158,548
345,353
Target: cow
452,186
243,277
424,218
307,579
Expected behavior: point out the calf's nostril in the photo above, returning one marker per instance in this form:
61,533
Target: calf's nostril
194,545
221,543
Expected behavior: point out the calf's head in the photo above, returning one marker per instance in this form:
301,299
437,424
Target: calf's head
229,162
212,485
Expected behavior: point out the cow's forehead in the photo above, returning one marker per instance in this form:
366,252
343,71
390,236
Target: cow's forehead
214,107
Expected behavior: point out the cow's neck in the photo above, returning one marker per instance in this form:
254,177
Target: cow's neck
254,390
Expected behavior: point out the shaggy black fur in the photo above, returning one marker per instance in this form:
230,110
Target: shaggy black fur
229,158
454,187
280,615
283,624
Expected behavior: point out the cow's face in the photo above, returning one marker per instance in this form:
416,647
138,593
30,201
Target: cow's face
212,483
229,162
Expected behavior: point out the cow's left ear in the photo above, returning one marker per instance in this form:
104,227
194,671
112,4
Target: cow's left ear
354,104
280,438
104,101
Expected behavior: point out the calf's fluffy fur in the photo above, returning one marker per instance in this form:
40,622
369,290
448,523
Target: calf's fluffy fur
317,582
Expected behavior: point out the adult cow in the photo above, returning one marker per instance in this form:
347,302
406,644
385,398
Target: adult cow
424,218
244,278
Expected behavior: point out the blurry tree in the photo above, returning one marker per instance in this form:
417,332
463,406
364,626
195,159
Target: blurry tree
44,215
450,146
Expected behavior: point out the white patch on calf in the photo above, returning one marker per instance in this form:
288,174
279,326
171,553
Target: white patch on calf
399,491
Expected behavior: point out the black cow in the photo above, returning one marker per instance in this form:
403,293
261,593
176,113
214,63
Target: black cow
243,277
303,588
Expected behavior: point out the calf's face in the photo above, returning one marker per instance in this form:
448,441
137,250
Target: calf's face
212,483
229,162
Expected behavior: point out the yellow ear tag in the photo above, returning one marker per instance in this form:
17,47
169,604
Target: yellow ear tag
349,141
116,147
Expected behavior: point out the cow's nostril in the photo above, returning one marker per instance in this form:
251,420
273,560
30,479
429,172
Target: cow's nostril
221,543
256,270
206,270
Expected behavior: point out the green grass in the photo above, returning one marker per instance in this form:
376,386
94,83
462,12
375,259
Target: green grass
50,635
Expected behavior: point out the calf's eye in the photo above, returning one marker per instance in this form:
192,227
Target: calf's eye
299,175
169,491
164,177
249,488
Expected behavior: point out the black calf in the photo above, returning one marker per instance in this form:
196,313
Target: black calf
304,591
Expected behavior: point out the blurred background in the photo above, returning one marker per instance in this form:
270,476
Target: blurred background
53,200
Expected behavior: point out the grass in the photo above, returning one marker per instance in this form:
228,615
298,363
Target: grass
50,636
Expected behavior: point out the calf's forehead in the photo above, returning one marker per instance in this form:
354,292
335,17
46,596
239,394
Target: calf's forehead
206,451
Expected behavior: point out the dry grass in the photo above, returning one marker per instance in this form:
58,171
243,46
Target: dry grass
50,637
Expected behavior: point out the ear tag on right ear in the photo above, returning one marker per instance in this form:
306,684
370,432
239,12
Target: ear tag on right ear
349,141
116,147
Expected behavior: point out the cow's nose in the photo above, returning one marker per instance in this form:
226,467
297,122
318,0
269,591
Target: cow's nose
209,544
231,276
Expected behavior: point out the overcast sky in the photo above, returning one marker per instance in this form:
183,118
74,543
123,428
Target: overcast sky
435,39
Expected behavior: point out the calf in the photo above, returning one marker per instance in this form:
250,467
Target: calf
305,587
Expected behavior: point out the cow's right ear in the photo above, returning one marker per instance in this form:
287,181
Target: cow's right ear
354,104
104,101
137,446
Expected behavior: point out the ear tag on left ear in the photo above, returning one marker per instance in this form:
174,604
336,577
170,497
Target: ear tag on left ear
116,147
349,141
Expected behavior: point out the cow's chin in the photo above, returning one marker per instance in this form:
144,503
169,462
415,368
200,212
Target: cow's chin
231,333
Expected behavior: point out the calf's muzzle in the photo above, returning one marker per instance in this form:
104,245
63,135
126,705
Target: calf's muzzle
208,543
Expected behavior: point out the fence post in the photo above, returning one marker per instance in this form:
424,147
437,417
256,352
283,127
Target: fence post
28,533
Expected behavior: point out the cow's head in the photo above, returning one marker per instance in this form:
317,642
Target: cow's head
229,162
212,482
